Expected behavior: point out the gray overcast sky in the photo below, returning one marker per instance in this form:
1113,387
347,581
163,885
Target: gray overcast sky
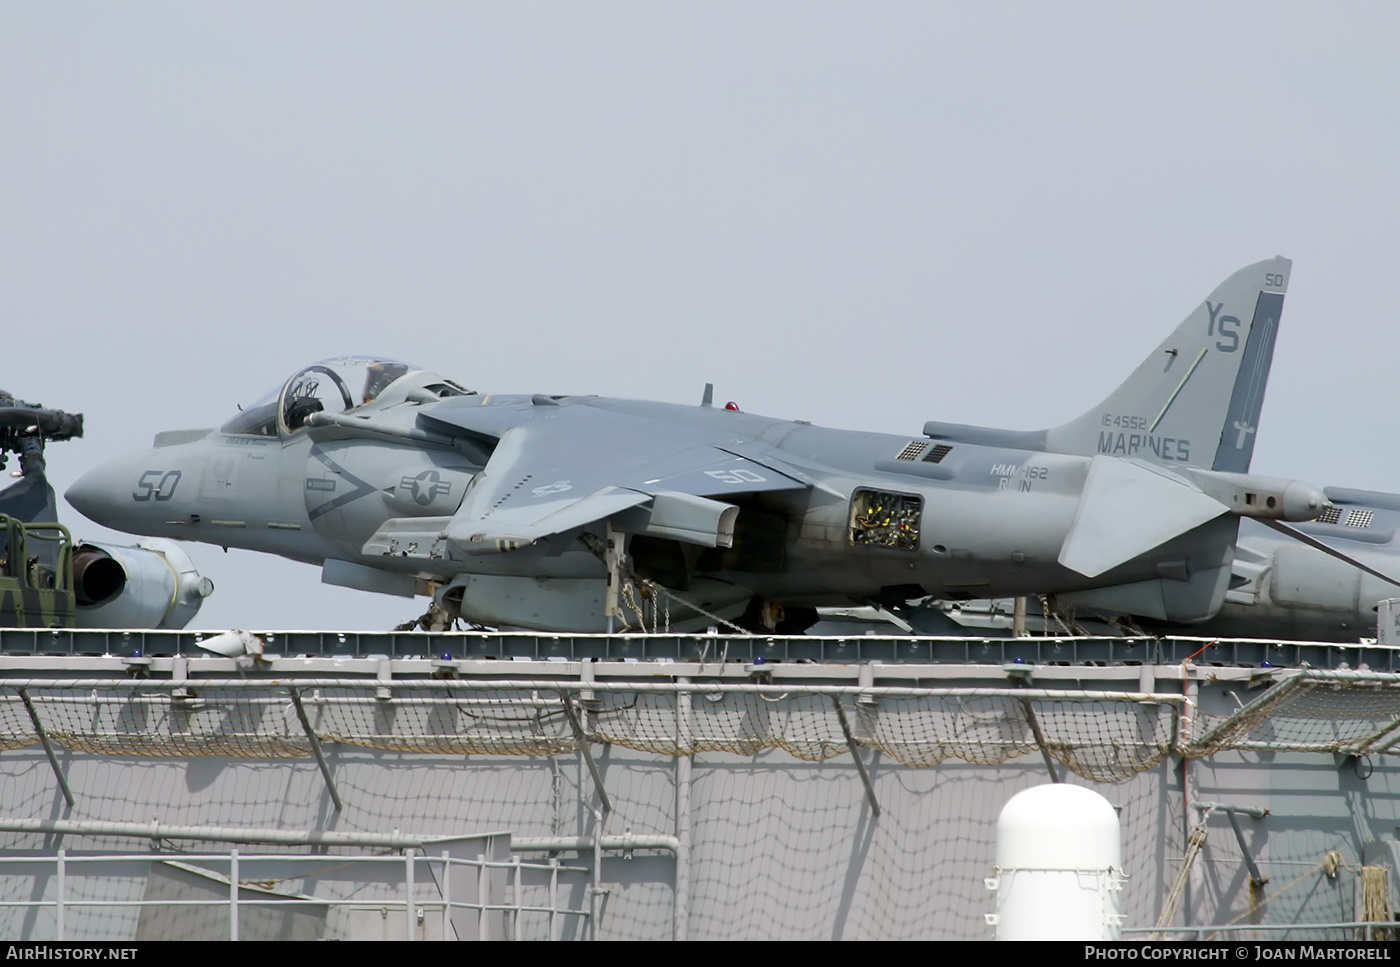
864,215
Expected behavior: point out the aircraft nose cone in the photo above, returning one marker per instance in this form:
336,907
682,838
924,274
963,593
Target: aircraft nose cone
95,494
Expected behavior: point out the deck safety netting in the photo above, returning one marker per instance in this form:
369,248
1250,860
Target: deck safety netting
16,727
261,724
1308,712
805,726
479,722
1097,737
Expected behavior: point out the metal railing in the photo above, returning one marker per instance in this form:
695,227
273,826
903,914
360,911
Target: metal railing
722,648
235,869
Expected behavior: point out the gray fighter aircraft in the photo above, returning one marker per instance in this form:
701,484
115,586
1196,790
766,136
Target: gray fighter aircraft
1320,582
583,513
1281,589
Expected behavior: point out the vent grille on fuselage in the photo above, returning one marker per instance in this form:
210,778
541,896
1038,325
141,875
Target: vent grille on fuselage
937,454
912,450
1359,518
1330,516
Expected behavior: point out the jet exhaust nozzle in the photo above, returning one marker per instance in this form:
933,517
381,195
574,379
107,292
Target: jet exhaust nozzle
154,585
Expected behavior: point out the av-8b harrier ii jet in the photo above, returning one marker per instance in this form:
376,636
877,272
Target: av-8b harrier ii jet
584,513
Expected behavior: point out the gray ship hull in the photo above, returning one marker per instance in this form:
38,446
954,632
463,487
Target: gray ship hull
777,840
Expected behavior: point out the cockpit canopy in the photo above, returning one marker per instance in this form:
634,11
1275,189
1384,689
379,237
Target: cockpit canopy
336,385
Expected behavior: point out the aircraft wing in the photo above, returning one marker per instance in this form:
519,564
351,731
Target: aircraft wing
576,465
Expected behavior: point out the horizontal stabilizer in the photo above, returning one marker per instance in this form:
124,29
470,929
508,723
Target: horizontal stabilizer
1126,509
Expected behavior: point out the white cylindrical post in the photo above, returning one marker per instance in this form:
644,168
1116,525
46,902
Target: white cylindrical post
60,908
233,878
1059,868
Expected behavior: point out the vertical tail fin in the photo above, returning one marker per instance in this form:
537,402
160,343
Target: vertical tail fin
1195,401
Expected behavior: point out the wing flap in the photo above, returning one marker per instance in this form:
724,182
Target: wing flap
416,537
515,528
